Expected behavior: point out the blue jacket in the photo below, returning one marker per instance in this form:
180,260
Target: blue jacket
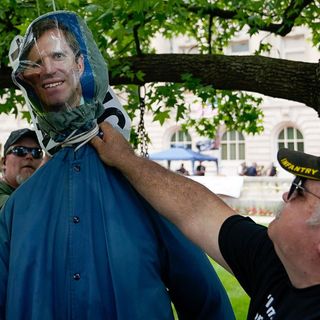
78,242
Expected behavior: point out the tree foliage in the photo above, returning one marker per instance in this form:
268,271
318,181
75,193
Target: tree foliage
124,29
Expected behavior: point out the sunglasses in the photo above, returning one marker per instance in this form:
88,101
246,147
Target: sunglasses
298,188
21,151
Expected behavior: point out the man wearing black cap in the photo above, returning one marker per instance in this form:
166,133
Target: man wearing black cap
279,266
21,157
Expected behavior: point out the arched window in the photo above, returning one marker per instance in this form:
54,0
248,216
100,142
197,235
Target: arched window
181,139
291,138
232,146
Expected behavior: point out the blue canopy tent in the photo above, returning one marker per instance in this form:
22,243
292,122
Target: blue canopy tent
174,154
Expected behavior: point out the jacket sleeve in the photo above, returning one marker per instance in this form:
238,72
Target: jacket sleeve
193,285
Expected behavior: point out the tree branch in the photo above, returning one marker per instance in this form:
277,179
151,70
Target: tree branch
278,78
291,13
136,39
210,33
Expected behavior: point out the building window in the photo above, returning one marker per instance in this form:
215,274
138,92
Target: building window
232,146
294,47
291,138
181,139
240,47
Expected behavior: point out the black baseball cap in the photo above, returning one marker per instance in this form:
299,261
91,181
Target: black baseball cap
299,163
18,134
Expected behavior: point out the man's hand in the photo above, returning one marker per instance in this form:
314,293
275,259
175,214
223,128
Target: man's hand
113,148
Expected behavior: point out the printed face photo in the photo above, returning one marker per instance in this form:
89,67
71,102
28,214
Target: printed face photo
54,71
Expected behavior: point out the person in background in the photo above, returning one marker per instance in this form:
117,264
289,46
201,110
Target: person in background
201,169
260,170
182,170
278,266
22,156
242,169
271,170
252,170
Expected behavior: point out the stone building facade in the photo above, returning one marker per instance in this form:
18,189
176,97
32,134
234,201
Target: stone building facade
286,123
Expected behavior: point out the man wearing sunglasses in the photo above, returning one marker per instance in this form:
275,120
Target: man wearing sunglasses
278,266
22,156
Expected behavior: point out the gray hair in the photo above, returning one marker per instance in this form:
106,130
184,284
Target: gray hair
314,220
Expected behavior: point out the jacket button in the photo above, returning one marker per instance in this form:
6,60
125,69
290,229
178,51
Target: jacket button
76,276
76,168
76,219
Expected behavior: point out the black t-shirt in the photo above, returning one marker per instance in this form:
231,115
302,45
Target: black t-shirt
249,252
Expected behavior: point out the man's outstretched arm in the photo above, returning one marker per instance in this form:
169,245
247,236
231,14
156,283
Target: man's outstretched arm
194,209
